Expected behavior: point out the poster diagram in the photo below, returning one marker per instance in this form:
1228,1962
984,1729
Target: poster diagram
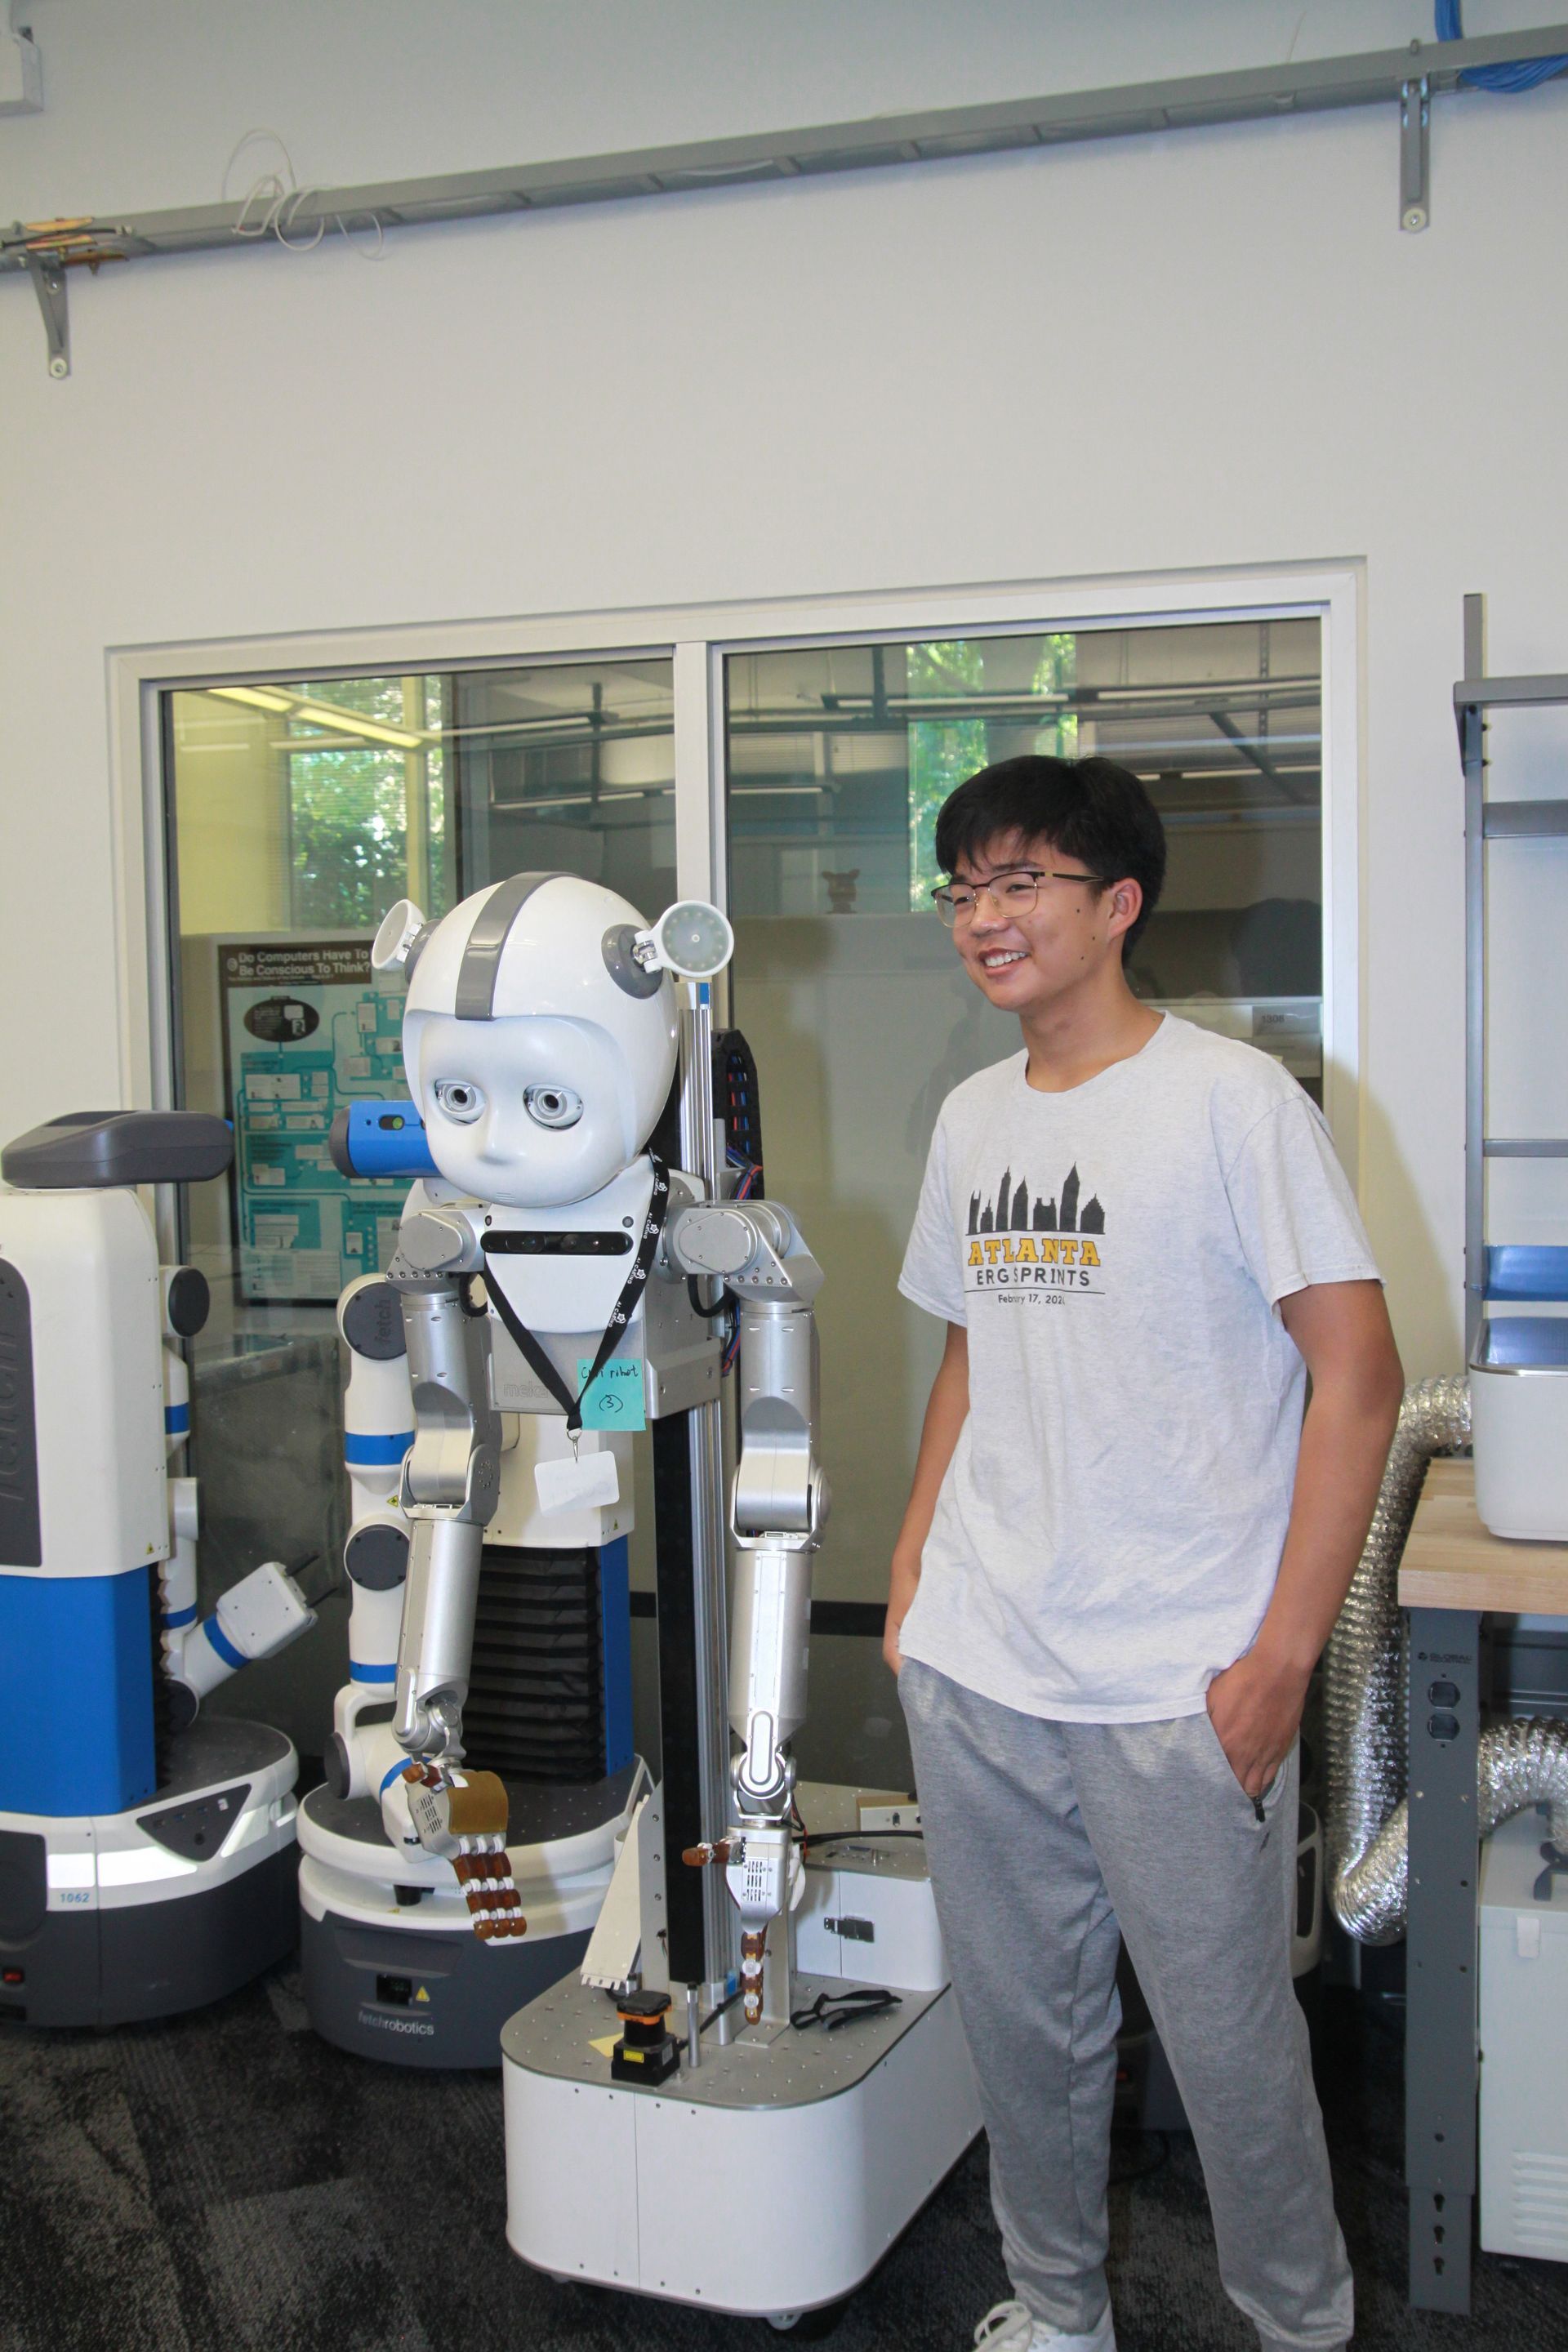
307,1027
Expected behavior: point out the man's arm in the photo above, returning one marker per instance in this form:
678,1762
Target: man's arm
1342,1332
946,1413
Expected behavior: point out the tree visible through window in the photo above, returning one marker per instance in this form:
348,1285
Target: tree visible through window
943,751
349,804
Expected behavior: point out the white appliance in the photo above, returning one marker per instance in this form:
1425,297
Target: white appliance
1524,2042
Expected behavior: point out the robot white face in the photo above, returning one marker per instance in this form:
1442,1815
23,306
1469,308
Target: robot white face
539,1051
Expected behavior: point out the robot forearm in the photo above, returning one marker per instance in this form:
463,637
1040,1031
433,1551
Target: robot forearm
447,1494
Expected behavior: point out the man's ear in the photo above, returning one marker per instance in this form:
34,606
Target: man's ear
1126,905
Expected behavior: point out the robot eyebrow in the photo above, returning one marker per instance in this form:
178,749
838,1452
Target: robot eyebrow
476,994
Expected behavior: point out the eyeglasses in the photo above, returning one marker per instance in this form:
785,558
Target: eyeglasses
1013,894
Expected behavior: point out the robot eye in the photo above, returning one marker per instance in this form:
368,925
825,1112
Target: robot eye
460,1098
553,1105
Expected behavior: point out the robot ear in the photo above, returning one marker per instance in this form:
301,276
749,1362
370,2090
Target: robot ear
401,938
625,966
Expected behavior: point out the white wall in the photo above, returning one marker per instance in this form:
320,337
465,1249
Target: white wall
1207,350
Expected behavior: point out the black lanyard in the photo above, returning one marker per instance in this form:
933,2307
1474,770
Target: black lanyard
621,1313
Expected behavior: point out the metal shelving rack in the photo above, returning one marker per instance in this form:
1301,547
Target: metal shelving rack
1510,1273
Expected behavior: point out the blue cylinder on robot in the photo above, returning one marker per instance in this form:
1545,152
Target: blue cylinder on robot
381,1138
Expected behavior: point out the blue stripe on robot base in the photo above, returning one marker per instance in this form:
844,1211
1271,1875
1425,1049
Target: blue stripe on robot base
376,1453
176,1420
221,1643
174,1617
359,1674
77,1645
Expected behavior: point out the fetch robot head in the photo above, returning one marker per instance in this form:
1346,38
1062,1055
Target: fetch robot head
539,1039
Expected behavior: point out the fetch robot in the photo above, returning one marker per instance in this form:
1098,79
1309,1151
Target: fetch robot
554,1259
146,1849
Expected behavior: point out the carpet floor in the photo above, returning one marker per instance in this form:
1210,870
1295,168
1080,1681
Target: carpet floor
226,2181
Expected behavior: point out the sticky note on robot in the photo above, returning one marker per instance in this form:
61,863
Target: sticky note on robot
616,1399
586,1483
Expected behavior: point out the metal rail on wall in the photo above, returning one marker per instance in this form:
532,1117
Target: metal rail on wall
1408,78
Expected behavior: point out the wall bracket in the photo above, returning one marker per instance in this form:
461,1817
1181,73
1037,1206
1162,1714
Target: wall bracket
1415,154
48,278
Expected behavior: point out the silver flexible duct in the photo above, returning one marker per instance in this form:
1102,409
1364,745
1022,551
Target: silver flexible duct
1519,1764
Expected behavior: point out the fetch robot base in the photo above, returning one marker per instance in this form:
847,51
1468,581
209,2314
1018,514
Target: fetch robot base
841,2135
109,1918
393,1968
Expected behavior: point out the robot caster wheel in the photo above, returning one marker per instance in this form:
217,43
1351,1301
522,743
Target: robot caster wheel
810,2327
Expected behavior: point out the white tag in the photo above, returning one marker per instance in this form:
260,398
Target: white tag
579,1484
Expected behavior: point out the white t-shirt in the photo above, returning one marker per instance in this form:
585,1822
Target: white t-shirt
1109,1531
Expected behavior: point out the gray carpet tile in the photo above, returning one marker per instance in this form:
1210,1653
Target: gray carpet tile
225,2182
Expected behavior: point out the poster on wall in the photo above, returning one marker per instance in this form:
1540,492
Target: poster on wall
307,1027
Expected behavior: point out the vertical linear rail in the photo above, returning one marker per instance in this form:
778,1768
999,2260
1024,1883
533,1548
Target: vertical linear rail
698,1156
1440,2066
686,1954
1472,753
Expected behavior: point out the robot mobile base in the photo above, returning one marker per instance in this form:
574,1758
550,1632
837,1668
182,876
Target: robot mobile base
393,1968
109,1918
842,2135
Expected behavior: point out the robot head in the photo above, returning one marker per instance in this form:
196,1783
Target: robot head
539,1049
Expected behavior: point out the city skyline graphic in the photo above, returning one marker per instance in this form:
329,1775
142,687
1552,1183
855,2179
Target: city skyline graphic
1011,1211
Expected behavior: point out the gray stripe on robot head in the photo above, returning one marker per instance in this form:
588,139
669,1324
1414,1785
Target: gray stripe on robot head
476,994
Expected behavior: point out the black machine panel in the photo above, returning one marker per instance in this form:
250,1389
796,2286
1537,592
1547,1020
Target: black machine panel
21,1541
535,1708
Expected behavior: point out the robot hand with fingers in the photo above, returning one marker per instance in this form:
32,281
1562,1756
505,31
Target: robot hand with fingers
539,1042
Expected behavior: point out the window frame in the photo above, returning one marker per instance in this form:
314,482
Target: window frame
699,639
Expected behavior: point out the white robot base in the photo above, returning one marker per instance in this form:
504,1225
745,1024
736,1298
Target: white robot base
392,1969
109,1918
847,2133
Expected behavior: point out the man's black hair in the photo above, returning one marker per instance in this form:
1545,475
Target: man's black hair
1091,811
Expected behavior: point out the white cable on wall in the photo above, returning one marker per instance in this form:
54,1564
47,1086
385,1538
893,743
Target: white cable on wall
271,203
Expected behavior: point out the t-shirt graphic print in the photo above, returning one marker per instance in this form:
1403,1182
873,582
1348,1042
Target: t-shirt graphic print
1047,1242
1109,1531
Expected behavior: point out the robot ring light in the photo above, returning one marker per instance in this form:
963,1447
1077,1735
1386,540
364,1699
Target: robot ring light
691,939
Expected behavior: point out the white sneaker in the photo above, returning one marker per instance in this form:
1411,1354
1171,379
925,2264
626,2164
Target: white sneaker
1012,2327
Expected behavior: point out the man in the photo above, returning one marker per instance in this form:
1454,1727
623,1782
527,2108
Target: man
1122,1554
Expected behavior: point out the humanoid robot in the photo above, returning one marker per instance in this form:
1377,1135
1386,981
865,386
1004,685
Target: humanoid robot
549,1268
146,1849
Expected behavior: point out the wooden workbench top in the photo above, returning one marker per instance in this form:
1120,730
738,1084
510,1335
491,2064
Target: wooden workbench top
1451,1562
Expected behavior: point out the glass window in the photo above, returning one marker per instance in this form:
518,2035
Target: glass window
838,758
298,810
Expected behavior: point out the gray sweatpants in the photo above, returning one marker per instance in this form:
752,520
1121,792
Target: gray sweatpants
1044,1839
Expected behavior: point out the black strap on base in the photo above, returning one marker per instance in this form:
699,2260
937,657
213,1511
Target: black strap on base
621,1314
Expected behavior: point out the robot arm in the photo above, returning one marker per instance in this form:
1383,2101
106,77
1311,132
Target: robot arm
449,1481
779,1504
255,1618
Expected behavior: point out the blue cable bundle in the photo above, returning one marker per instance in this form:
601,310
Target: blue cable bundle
1520,77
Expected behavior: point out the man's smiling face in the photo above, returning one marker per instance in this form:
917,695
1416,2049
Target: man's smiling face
1024,960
